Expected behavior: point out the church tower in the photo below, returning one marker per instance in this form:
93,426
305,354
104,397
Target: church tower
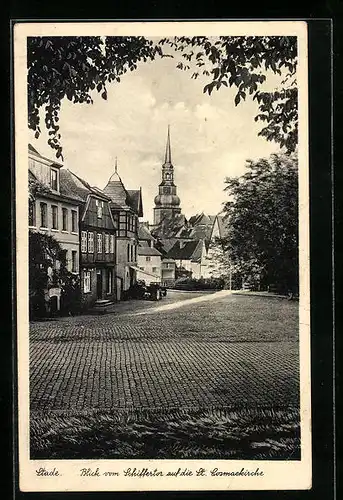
167,203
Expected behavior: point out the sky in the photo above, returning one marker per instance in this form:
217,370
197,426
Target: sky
210,137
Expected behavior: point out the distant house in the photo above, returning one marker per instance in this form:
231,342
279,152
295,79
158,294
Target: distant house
189,257
148,257
54,211
168,271
126,208
97,241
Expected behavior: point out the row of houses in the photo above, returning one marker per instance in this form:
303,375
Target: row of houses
97,229
104,243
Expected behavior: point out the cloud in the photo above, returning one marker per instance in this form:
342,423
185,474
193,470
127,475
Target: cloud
211,137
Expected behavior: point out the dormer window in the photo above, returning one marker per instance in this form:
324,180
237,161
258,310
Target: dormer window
99,208
54,179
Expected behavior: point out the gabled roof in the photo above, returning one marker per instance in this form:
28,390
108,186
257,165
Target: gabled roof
202,232
197,254
199,219
148,251
34,151
144,233
183,250
167,244
72,185
134,200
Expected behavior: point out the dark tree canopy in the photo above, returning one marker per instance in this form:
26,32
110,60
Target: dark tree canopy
262,216
73,67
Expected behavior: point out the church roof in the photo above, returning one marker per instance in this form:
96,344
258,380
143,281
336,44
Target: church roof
167,156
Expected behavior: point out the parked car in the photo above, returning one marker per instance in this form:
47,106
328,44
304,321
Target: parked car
155,291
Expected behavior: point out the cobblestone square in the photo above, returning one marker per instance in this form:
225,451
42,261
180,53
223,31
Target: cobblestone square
227,351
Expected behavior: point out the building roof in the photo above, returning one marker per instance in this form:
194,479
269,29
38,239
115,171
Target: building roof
72,185
197,254
145,250
222,225
183,250
122,197
34,151
144,233
134,200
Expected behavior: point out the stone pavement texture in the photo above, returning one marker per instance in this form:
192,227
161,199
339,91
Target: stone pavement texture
228,351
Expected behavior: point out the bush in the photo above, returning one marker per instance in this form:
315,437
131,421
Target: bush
199,284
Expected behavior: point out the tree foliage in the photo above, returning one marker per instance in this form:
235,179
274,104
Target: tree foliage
242,62
73,67
48,268
262,214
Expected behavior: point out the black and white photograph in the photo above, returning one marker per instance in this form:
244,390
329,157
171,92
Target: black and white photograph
163,260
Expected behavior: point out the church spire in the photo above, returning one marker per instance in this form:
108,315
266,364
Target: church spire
116,166
167,158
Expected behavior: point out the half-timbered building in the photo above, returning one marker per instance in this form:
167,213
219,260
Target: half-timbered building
97,242
126,207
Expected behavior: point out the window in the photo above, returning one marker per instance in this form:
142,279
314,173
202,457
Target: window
86,281
109,281
148,259
135,253
131,253
32,213
100,206
83,241
54,179
99,243
141,268
154,269
112,243
90,242
73,261
128,252
54,213
64,219
107,243
43,215
73,221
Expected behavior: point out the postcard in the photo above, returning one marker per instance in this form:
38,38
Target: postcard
162,232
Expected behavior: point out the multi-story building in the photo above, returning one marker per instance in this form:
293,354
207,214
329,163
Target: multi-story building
97,242
54,211
148,257
126,207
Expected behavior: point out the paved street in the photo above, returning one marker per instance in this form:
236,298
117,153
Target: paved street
222,350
